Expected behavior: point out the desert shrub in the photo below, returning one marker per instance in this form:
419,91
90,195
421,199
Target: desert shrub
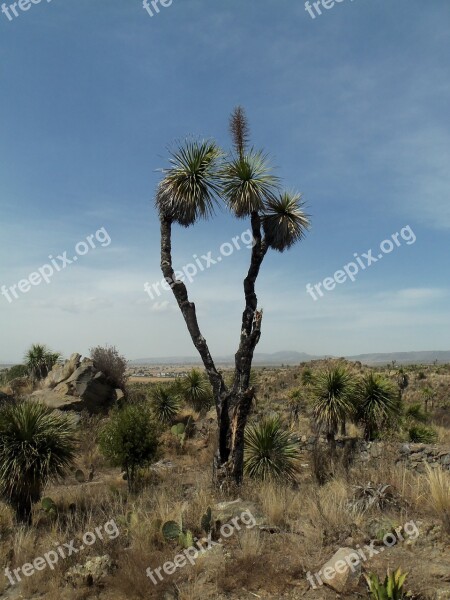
422,434
13,373
130,440
39,361
108,360
36,444
165,403
269,452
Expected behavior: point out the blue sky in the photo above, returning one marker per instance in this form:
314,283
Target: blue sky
353,106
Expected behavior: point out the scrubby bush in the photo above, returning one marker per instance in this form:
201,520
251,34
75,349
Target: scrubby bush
269,453
130,440
36,445
108,360
13,373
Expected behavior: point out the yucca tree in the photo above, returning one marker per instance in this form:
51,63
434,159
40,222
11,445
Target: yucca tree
377,404
332,393
269,453
39,361
199,176
36,445
196,390
165,403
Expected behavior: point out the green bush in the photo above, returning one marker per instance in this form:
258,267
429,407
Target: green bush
13,373
130,440
36,445
422,434
269,453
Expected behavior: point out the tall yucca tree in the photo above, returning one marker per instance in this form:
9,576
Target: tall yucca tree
36,445
200,175
333,400
377,404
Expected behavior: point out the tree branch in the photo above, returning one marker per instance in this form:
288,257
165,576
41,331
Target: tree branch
188,310
251,318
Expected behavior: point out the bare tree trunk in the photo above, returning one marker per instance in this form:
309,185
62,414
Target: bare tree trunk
232,405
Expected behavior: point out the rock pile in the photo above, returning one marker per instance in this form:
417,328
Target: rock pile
77,385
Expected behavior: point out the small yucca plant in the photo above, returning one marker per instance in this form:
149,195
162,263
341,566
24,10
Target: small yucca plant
36,445
196,391
390,589
269,453
165,404
422,434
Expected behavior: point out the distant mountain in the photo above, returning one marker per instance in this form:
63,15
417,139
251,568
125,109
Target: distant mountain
424,357
287,357
277,358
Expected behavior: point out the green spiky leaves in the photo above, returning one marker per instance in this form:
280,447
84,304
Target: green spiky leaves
269,452
191,184
247,183
285,221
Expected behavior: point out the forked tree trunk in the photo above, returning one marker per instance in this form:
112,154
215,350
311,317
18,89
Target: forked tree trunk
233,404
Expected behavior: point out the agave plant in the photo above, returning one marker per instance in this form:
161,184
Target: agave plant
284,221
269,453
196,390
332,392
377,404
165,404
36,445
190,186
390,589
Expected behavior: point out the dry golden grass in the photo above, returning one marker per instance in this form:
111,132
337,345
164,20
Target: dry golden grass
438,497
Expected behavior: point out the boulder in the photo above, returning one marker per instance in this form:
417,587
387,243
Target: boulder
77,386
225,512
343,571
62,372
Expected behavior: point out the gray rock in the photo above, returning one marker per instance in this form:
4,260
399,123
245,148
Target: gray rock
62,372
343,571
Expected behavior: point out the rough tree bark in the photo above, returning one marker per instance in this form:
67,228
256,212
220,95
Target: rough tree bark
233,404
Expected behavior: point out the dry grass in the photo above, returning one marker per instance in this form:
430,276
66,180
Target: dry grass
438,497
